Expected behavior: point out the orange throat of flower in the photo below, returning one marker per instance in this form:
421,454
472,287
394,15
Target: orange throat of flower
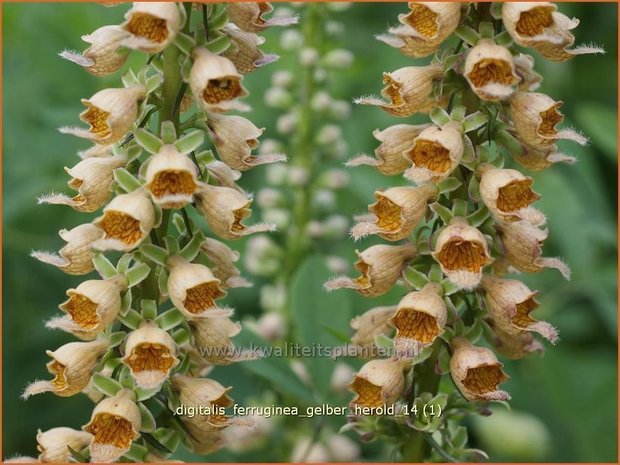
202,297
122,227
491,71
522,318
364,278
172,182
416,325
484,378
59,371
389,215
149,27
239,215
431,155
112,430
218,420
150,357
458,255
534,21
368,394
222,90
548,120
82,310
423,20
392,90
516,195
98,121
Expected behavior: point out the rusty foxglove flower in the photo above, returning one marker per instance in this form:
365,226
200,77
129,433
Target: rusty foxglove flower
247,57
152,25
490,71
379,382
249,16
53,444
529,80
224,259
213,341
514,346
374,322
538,160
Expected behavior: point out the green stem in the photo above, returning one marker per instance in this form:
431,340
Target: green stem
171,86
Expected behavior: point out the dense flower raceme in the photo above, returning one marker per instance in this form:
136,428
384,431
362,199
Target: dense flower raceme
145,320
464,221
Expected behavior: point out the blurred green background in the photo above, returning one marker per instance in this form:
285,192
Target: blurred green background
572,389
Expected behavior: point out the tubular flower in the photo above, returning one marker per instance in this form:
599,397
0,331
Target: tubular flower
150,354
380,267
514,346
76,257
462,252
476,371
106,53
235,137
535,117
91,307
215,81
379,382
248,16
72,366
53,444
171,178
91,178
395,141
508,195
213,340
490,71
419,318
115,423
397,211
126,221
435,154
408,90
193,289
224,209
424,28
374,322
539,25
110,114
522,244
223,259
152,25
538,160
248,57
510,303
529,80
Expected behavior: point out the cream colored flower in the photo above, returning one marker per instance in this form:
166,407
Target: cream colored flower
115,423
476,371
462,252
379,382
408,90
224,259
395,141
171,178
522,246
126,221
76,257
96,151
490,71
224,209
215,81
538,160
535,117
396,213
152,25
106,53
110,114
510,303
234,138
529,80
419,318
249,16
508,195
213,340
150,354
514,346
91,307
193,289
247,57
539,25
53,444
380,267
91,178
374,322
435,154
72,366
424,28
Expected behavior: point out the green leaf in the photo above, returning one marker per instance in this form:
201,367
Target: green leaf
459,207
168,132
172,245
126,180
125,378
144,394
153,82
191,250
507,140
104,267
435,275
416,278
148,421
449,185
136,453
219,45
504,39
443,212
185,43
148,309
147,140
340,335
154,253
133,153
129,78
600,123
106,385
458,112
475,121
478,217
467,34
190,142
126,299
123,263
206,156
117,339
439,116
474,332
137,274
486,30
168,437
132,319
162,282
219,20
181,336
78,456
170,319
449,287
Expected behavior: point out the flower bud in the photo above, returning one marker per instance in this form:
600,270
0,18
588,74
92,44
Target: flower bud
213,339
224,209
263,256
329,134
424,28
397,212
508,195
374,322
490,71
110,114
514,346
379,382
247,57
539,25
171,178
343,449
76,257
308,451
235,137
408,90
53,444
223,259
420,317
535,117
193,289
338,59
462,252
273,298
340,110
268,197
215,82
529,80
298,176
97,151
72,366
390,158
115,423
335,179
150,354
538,160
291,39
271,326
308,56
282,79
152,25
223,174
341,377
105,54
249,16
435,154
287,123
127,220
522,246
335,264
380,267
476,371
91,306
